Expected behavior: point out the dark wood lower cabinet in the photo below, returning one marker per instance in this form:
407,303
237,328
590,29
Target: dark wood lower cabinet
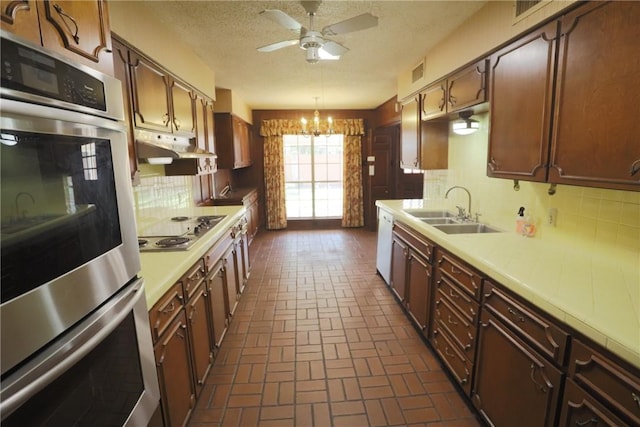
514,385
399,257
217,299
200,336
419,289
581,409
174,371
231,280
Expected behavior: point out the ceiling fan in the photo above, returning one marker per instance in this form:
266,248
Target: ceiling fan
314,42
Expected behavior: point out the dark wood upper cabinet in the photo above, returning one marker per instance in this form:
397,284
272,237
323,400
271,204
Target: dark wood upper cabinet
182,103
149,86
78,30
521,92
410,134
595,136
233,141
467,87
433,101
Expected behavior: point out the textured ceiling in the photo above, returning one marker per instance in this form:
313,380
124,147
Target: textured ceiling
225,34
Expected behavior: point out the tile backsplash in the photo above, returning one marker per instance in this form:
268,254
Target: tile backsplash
590,214
157,195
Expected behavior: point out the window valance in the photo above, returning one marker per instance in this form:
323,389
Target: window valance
276,127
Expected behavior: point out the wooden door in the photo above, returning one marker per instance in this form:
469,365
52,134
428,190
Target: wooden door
217,301
520,98
399,257
200,336
381,185
122,73
595,138
514,385
78,29
410,134
432,101
174,372
467,87
150,95
182,108
21,18
419,289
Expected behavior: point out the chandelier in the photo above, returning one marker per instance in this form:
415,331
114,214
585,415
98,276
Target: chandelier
315,126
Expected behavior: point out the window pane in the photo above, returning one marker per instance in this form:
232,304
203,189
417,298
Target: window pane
313,176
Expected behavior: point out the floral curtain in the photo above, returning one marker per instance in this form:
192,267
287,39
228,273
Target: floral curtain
272,131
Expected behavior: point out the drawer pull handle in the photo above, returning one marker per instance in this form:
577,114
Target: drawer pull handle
452,295
451,321
515,314
636,399
170,308
540,387
179,333
587,422
446,351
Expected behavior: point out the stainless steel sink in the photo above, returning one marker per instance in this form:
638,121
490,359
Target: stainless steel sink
474,228
421,213
440,221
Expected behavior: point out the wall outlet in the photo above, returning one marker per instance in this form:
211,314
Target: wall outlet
552,217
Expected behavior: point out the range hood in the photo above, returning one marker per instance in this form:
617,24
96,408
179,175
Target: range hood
163,148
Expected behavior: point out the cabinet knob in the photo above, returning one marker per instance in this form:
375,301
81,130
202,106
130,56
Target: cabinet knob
493,165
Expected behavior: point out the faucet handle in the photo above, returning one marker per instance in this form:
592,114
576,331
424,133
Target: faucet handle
476,215
461,211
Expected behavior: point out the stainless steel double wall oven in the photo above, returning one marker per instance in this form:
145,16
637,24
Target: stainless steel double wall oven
75,339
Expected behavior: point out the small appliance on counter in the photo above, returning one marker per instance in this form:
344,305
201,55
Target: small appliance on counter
178,233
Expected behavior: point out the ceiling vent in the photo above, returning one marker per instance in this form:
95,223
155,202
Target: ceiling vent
523,6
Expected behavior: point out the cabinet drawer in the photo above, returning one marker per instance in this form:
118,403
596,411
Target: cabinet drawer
165,310
463,333
461,274
539,332
193,278
612,384
420,244
581,409
460,366
457,298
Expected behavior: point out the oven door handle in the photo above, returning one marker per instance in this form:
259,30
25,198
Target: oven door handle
75,348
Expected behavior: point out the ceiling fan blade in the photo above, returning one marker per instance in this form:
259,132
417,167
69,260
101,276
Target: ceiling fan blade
279,45
282,18
357,23
333,48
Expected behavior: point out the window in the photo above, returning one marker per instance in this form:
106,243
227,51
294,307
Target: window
313,176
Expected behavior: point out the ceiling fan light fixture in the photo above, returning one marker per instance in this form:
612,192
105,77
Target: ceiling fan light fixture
313,55
465,125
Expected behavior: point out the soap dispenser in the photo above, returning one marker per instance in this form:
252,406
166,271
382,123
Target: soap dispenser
520,221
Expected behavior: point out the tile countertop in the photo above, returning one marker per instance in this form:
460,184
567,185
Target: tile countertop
162,269
595,291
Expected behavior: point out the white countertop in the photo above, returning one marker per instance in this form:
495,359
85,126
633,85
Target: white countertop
595,291
162,269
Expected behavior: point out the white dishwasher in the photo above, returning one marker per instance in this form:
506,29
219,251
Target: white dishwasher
385,238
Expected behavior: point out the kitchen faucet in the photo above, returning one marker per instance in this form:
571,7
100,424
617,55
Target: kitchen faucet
24,213
461,212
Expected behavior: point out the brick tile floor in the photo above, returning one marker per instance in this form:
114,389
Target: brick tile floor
318,340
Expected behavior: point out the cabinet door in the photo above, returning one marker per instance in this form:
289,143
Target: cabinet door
217,301
595,138
513,384
399,258
581,409
231,280
174,372
122,73
419,284
182,104
520,98
467,88
200,336
78,29
434,145
209,128
410,136
433,101
200,125
241,143
150,95
20,18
